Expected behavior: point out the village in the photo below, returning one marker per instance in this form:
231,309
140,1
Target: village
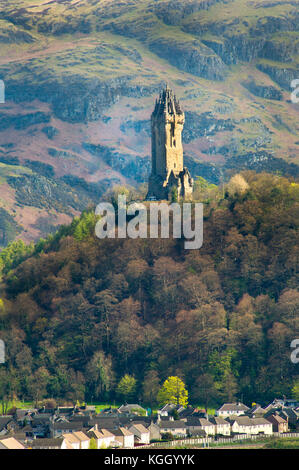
130,426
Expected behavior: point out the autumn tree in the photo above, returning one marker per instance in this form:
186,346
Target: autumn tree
237,185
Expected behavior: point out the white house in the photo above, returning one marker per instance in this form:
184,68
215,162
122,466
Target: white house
142,435
10,443
221,425
73,441
176,428
125,437
83,438
207,426
246,425
231,409
195,425
109,438
98,437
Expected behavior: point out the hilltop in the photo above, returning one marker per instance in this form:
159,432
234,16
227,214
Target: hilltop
81,78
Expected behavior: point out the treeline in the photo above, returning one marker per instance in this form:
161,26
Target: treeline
79,313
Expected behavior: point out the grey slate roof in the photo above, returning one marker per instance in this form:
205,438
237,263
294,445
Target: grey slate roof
172,425
4,420
233,407
46,443
76,425
218,420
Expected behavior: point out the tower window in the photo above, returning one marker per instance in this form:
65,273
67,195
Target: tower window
174,142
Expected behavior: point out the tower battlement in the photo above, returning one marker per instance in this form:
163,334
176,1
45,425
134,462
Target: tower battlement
168,106
168,172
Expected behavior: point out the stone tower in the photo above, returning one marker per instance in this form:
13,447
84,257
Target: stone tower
168,171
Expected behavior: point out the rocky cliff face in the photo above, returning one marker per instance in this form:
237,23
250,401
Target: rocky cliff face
281,75
191,57
81,79
263,91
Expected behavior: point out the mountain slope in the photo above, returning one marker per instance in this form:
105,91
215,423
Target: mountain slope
81,78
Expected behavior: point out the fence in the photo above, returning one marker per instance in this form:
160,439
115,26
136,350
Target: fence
206,441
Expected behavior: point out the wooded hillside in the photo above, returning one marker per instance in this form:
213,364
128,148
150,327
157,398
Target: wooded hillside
79,313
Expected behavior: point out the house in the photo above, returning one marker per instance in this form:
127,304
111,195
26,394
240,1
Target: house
109,438
132,409
124,437
221,425
279,424
57,429
282,403
207,426
6,424
168,409
58,443
247,425
19,436
176,428
79,418
65,410
24,416
127,420
290,415
11,443
232,409
48,411
194,427
106,422
142,435
155,431
83,439
72,440
262,426
185,413
40,424
98,437
256,411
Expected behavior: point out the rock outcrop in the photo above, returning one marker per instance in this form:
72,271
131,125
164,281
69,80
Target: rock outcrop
192,57
263,91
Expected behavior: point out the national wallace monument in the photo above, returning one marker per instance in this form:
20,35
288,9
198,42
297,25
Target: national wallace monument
168,171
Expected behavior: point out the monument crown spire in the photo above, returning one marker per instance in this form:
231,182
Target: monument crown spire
168,171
